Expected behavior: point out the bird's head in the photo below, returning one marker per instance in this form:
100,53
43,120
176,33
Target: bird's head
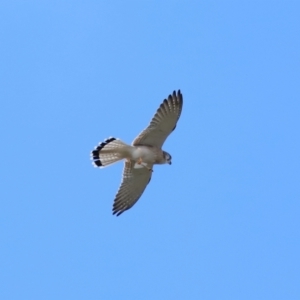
167,157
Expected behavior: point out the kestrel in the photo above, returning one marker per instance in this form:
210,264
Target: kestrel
140,157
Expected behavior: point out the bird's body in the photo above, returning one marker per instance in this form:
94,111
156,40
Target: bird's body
148,155
140,157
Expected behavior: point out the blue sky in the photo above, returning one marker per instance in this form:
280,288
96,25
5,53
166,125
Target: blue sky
222,222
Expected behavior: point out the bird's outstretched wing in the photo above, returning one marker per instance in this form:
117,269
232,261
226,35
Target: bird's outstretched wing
133,184
163,122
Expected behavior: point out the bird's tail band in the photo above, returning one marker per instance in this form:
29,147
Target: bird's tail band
108,152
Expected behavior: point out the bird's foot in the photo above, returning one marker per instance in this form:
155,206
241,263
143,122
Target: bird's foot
149,169
140,162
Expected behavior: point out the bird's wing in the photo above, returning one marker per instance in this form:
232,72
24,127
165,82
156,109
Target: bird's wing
133,184
163,122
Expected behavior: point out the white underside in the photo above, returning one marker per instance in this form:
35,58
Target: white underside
145,153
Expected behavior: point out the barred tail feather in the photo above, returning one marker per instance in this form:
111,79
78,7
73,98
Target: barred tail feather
108,152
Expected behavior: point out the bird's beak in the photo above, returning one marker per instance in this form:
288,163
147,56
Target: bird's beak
170,162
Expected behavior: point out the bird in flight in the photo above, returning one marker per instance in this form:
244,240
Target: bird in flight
140,157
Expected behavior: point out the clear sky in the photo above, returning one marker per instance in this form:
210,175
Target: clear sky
222,222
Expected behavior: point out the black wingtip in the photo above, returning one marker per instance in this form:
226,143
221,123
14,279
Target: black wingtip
179,96
176,94
117,213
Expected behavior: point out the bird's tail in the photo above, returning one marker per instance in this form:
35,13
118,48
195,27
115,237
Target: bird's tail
109,152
